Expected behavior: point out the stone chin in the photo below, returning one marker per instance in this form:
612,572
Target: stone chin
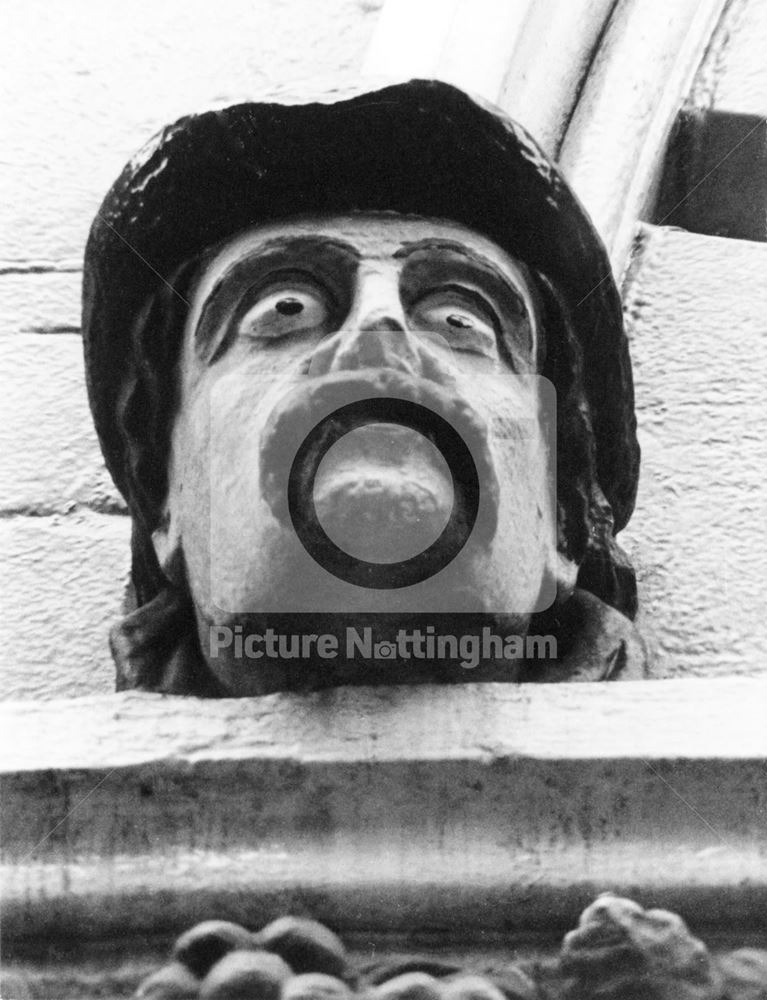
267,570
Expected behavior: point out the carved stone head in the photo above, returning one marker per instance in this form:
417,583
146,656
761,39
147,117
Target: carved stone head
359,367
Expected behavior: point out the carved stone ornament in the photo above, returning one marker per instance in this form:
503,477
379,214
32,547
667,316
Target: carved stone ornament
359,369
619,951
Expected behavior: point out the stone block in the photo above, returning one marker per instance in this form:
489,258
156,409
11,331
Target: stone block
63,582
695,309
50,459
733,74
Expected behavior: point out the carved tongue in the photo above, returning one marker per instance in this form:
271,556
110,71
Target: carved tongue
383,493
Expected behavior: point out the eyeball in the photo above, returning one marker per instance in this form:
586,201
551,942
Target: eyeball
286,307
460,317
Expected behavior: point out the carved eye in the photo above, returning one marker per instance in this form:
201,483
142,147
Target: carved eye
288,306
460,316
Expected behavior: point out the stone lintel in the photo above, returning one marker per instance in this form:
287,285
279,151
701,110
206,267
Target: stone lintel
430,809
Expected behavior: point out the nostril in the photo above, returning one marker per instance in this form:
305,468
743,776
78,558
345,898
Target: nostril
382,323
380,340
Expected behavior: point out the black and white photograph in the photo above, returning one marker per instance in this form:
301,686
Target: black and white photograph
382,494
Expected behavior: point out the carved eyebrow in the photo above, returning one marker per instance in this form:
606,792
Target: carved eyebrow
454,246
287,249
302,245
431,243
308,241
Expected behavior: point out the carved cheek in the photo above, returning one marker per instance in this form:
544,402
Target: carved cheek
527,516
227,527
524,548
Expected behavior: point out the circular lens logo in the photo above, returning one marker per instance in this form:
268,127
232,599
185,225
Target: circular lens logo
422,565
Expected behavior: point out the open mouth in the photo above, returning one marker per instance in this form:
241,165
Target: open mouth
401,500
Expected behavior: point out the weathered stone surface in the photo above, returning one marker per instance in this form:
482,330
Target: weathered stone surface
637,81
621,952
516,986
733,75
124,73
564,33
745,974
246,975
203,945
50,460
62,584
14,985
250,807
695,308
306,945
171,982
409,986
42,301
315,986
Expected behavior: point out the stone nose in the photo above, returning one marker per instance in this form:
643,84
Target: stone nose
381,340
374,335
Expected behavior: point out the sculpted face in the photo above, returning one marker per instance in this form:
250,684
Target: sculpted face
429,489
